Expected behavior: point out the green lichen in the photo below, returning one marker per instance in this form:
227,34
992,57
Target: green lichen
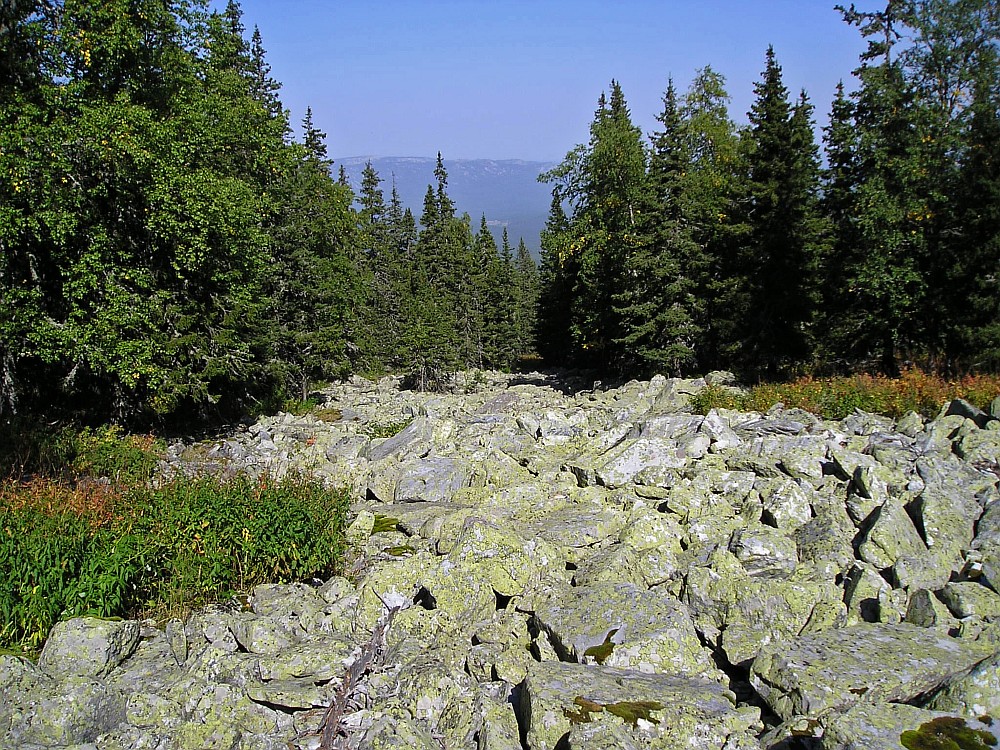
384,523
583,716
947,733
628,711
603,652
632,711
399,550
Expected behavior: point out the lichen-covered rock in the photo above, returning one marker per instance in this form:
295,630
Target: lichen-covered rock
73,711
87,647
868,596
834,669
878,726
927,611
743,613
763,550
501,557
970,599
786,503
890,536
974,694
655,711
622,625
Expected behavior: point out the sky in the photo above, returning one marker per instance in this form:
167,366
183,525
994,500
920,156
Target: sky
520,79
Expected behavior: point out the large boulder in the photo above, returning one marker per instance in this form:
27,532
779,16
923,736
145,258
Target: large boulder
833,670
648,710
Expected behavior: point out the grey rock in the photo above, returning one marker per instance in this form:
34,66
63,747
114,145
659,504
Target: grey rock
963,408
868,726
835,669
88,647
622,625
679,708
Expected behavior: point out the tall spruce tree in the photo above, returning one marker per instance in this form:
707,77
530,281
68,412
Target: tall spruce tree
659,305
973,257
712,187
525,283
889,288
786,234
556,281
606,183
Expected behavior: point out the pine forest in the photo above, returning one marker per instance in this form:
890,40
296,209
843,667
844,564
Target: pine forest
172,247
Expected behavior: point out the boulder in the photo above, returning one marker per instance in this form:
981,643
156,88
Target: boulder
622,625
87,647
648,710
832,670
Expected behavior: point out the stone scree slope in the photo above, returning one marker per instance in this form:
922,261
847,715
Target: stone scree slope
573,569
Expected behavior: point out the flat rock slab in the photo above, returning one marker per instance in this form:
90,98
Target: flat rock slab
623,625
870,662
880,726
669,712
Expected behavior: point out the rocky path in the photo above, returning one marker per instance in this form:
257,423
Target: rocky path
539,567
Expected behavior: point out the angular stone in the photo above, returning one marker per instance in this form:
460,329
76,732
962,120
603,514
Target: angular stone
74,711
504,559
834,669
432,479
868,596
963,408
87,647
890,536
970,599
973,695
751,612
878,726
559,696
621,625
621,465
720,432
927,611
786,503
764,551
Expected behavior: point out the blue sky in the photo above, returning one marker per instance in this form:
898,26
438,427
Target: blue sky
521,78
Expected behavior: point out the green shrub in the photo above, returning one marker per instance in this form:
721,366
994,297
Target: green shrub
221,538
379,430
717,397
152,551
107,452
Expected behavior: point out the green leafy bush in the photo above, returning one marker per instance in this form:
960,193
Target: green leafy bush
107,452
64,451
151,551
378,430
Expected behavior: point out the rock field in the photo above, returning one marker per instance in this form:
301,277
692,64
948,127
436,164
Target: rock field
535,565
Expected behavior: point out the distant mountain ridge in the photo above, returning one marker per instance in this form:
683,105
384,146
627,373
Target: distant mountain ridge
506,191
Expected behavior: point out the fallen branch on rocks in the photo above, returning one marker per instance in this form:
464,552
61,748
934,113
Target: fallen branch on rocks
332,732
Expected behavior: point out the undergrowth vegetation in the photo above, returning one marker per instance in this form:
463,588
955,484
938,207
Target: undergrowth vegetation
836,398
83,531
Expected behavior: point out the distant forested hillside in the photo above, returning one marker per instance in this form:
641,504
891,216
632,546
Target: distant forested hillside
507,191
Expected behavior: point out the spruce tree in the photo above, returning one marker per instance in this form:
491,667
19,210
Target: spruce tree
659,306
556,281
786,236
974,253
885,276
525,298
712,187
